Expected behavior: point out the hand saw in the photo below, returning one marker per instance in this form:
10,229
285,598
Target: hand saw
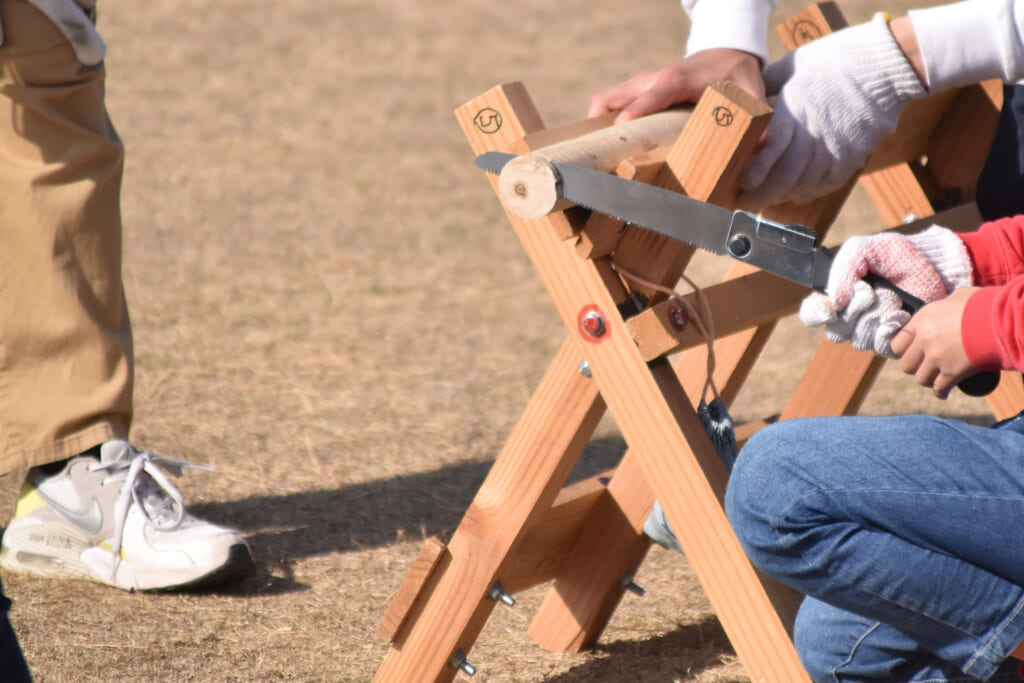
784,249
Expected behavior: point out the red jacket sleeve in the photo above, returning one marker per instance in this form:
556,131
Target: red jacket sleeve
992,328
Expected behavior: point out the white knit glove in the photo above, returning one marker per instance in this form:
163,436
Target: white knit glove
845,93
929,265
70,17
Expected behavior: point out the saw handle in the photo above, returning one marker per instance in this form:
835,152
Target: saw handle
980,384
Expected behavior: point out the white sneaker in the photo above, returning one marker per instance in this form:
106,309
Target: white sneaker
118,520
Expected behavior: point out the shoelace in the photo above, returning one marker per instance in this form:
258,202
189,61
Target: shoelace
156,490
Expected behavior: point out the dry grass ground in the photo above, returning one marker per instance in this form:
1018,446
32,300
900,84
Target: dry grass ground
331,309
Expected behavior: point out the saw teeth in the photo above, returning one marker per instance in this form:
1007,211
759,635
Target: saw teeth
628,222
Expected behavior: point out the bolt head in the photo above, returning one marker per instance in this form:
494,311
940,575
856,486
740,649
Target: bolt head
739,246
677,316
593,324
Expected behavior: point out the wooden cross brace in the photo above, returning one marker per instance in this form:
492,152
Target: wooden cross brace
525,527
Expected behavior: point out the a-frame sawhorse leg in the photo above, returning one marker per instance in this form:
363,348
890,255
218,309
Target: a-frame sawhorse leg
669,449
523,528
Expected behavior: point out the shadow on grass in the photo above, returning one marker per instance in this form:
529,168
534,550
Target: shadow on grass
281,529
373,514
683,653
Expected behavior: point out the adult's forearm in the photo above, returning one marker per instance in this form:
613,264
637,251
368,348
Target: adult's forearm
734,24
968,42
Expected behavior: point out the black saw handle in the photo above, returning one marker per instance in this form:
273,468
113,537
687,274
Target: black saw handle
980,384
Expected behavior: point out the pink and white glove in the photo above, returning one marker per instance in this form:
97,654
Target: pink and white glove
929,265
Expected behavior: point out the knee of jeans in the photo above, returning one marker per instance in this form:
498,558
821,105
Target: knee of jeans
760,487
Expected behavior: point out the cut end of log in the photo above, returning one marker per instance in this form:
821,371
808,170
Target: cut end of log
530,187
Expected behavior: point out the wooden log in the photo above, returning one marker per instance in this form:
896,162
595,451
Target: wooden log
529,185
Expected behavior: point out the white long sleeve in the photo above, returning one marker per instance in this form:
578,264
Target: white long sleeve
971,41
735,24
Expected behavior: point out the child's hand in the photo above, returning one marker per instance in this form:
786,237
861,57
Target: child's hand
930,346
928,265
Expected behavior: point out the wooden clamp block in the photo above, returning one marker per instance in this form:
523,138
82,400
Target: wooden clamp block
413,591
601,234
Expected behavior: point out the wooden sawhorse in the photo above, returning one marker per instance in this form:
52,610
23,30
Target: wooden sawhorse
525,527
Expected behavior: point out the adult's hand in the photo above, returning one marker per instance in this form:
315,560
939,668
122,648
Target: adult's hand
844,94
679,82
930,346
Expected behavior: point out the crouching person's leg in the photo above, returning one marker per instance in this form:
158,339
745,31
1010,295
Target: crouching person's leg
901,521
836,645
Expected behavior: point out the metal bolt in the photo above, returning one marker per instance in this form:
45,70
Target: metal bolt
593,324
739,246
909,218
459,662
585,369
497,592
677,316
627,582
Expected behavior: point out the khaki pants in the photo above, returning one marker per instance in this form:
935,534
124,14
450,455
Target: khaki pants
66,363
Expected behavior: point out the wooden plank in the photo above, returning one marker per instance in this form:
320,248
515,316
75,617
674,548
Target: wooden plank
962,218
540,556
528,473
681,465
959,143
897,195
737,304
489,122
412,588
577,607
835,382
1007,400
612,545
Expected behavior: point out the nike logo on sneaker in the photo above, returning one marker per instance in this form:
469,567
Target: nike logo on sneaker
89,520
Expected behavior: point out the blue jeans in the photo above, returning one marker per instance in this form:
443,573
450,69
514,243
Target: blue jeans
906,533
